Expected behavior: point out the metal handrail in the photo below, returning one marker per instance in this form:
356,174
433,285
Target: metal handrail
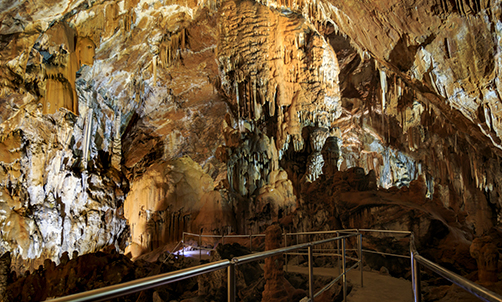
386,254
473,288
416,260
222,237
337,232
200,236
318,232
266,254
262,255
130,287
122,289
384,231
287,251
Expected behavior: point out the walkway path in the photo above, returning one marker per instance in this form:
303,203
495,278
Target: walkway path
377,287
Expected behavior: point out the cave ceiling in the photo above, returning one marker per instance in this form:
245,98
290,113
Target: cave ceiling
128,122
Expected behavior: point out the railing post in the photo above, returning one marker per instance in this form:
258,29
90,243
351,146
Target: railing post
338,254
360,239
286,255
231,283
183,243
415,278
344,271
223,239
311,273
251,243
200,247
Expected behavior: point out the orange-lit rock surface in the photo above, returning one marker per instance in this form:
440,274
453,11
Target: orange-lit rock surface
277,288
486,253
129,122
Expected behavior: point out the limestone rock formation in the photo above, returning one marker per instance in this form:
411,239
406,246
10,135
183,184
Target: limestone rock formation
91,271
487,256
129,122
169,199
277,288
63,53
249,280
49,206
280,68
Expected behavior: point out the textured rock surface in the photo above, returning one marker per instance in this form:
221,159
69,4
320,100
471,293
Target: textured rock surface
94,271
277,288
129,122
169,199
49,205
487,256
249,277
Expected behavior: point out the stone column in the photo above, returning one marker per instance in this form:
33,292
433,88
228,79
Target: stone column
487,256
277,288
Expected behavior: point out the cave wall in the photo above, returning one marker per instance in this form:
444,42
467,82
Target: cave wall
129,122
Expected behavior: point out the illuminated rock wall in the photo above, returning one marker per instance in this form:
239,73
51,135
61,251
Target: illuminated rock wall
129,122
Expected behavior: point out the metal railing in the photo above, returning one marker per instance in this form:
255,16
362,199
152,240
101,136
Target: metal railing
416,260
309,246
383,232
220,237
122,289
327,252
473,288
130,287
480,292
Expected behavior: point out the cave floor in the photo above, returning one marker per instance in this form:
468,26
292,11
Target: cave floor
377,287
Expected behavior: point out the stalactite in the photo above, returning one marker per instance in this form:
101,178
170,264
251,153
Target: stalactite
172,46
87,138
237,95
383,87
183,34
154,64
249,100
117,143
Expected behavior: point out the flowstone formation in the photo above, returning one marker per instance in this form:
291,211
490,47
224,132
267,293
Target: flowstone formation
60,189
50,205
63,52
127,123
280,68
